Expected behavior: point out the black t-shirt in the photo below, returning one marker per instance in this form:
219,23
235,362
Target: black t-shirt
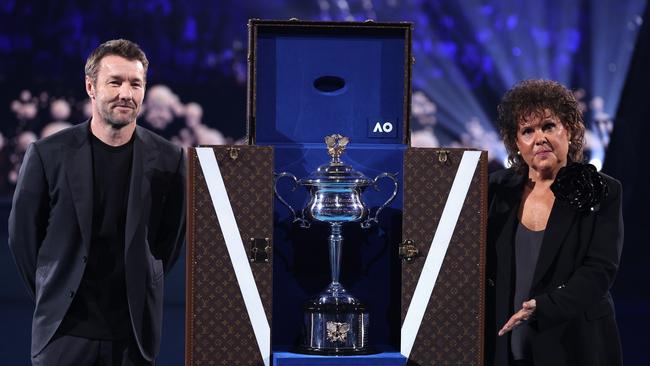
100,307
528,244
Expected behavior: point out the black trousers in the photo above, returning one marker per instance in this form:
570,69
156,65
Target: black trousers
66,350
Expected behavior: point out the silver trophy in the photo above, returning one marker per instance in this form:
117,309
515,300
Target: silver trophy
335,322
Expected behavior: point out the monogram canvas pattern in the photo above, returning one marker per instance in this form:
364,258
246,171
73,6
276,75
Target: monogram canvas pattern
219,331
452,329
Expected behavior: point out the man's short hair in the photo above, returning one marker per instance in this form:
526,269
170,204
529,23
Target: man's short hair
119,47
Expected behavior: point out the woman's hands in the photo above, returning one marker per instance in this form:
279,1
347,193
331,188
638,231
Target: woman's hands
528,308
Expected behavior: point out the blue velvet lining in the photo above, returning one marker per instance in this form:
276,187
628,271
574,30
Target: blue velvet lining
370,269
291,108
380,359
313,82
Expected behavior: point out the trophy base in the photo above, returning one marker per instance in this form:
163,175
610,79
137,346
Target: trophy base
335,323
335,352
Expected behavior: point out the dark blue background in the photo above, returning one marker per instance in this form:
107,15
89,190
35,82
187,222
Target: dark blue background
467,55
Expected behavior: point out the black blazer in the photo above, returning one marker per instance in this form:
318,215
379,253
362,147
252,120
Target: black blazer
574,321
50,228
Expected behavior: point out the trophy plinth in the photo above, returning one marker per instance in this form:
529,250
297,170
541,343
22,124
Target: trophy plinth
335,322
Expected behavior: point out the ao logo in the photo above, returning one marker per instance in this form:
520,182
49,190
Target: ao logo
386,127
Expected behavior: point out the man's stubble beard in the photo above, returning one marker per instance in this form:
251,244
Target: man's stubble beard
118,123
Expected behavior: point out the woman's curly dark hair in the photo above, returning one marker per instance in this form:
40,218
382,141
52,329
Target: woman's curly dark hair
531,97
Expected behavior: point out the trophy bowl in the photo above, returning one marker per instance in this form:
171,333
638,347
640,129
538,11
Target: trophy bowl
335,322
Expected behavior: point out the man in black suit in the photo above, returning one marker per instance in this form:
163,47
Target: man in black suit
97,219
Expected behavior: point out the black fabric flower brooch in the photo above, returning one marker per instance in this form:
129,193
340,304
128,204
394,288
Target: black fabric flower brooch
580,186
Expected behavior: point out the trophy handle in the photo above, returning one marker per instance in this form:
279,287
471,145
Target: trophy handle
295,218
366,224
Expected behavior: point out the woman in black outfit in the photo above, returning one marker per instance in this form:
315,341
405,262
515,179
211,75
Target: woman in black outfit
555,234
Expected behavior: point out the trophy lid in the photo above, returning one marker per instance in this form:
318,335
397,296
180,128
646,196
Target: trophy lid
336,171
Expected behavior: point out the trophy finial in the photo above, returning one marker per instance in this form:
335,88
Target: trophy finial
336,145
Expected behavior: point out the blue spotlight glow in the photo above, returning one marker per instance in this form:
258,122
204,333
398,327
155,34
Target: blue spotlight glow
464,49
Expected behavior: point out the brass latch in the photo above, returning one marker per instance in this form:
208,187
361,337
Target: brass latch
233,152
443,155
260,250
408,251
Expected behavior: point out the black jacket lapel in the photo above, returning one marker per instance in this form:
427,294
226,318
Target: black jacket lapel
559,222
79,173
507,208
505,219
144,155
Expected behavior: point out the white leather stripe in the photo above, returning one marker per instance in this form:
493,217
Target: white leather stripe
438,250
235,246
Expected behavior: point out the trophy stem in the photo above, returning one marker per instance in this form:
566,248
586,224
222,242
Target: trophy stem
335,322
335,241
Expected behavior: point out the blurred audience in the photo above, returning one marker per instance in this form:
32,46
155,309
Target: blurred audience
38,115
161,106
